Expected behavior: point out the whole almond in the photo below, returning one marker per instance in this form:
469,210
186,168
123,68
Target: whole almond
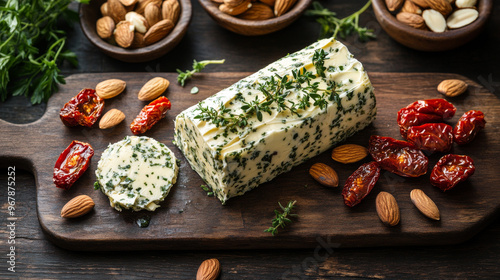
152,13
116,10
218,1
105,27
111,119
139,22
233,3
461,18
77,207
349,153
324,175
410,7
208,270
393,5
234,11
387,209
158,31
270,3
138,41
153,88
258,11
124,34
421,3
442,6
434,20
413,20
465,3
110,88
452,87
282,6
104,9
141,5
128,3
424,204
171,10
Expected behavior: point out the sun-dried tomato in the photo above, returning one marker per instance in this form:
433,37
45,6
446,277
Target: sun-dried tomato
468,126
83,109
150,115
360,183
450,170
433,137
72,163
424,111
396,156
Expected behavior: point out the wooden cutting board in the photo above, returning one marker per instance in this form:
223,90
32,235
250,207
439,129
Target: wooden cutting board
188,219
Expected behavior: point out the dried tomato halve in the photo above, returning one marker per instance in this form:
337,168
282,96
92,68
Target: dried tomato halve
468,126
433,137
83,109
72,163
424,111
360,183
396,156
450,170
150,115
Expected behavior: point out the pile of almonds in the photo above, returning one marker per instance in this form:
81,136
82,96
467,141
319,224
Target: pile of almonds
255,9
137,23
436,15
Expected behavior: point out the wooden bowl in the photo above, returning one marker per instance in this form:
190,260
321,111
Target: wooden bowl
425,40
90,13
254,27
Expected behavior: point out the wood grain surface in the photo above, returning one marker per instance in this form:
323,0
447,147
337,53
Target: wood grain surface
188,219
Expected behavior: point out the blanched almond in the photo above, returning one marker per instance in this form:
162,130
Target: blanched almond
139,22
434,20
461,18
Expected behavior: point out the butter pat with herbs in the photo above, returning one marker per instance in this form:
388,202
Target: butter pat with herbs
282,115
136,173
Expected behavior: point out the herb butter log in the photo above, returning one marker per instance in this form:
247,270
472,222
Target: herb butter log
286,113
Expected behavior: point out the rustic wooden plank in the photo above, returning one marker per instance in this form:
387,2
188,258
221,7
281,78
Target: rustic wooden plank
190,220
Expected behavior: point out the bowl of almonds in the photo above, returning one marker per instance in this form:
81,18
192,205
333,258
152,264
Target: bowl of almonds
432,25
255,17
135,30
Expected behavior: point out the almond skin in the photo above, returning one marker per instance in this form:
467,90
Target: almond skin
152,13
153,88
111,119
421,3
104,9
442,6
158,31
235,10
410,7
349,153
128,3
258,11
141,5
413,20
452,87
387,209
138,41
110,88
393,5
324,175
424,204
124,34
270,3
208,270
171,10
105,27
116,10
77,207
282,6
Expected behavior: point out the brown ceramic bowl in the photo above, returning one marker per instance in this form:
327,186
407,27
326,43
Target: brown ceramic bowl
425,40
254,27
89,14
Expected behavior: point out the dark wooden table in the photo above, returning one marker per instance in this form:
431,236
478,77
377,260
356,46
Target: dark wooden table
36,257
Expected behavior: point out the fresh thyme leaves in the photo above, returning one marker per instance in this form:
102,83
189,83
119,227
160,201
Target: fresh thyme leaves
32,47
207,190
275,89
281,219
197,67
333,26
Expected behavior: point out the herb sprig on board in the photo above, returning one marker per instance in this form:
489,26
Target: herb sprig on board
197,67
282,219
275,90
331,26
32,47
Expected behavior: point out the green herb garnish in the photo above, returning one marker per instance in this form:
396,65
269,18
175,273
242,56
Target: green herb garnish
194,90
207,190
197,67
281,219
97,186
32,47
331,25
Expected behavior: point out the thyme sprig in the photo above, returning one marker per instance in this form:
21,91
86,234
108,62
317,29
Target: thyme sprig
275,90
331,26
281,219
197,67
